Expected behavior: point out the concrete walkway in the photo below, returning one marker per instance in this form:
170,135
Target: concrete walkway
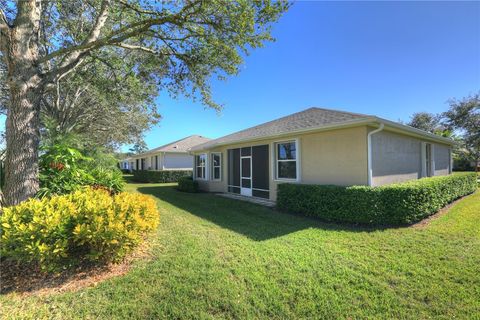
260,201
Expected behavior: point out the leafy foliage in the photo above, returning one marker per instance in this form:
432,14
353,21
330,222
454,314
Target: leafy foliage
187,184
175,46
64,169
464,115
101,106
428,122
461,123
160,176
86,225
403,203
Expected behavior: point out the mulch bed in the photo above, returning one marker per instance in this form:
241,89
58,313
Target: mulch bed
29,280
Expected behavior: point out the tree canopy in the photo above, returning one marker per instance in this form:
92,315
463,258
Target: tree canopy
178,45
105,107
425,121
464,116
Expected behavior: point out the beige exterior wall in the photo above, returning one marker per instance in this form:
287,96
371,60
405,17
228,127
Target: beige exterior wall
331,157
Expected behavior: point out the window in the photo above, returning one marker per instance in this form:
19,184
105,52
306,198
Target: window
156,162
286,160
216,166
200,166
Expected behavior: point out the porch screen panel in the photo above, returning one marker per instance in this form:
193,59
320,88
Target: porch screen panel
260,171
234,170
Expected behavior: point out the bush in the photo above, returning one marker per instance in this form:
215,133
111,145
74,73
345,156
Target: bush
111,180
86,225
160,176
395,204
187,184
64,170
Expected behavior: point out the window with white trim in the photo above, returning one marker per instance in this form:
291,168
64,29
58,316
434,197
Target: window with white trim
216,166
201,166
286,160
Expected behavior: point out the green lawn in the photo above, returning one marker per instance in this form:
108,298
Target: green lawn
220,258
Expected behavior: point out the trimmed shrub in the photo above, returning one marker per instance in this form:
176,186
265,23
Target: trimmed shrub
64,170
187,184
160,176
86,225
396,204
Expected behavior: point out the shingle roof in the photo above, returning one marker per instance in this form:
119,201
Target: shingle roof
181,146
307,119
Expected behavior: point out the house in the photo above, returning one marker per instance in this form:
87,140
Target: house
172,156
319,146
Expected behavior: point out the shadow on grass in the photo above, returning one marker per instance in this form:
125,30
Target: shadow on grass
254,221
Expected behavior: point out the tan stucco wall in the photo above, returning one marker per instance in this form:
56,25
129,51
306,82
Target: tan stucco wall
397,158
331,157
335,157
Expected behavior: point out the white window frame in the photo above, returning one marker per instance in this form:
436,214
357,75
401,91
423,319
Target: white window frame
275,160
205,166
214,166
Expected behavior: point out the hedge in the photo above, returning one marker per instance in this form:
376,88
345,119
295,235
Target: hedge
187,184
160,176
396,204
86,225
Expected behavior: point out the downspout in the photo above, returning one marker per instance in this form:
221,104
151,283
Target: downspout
369,152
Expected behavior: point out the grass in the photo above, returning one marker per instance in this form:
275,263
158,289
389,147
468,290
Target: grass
220,258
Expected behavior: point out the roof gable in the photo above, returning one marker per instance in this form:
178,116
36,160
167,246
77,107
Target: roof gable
179,146
307,119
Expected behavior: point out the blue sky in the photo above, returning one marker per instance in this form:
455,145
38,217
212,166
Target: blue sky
390,59
382,58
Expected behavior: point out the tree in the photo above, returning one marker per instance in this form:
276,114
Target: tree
138,147
425,121
101,106
184,44
464,116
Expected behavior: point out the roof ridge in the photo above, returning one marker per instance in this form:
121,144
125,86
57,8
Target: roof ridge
341,111
176,141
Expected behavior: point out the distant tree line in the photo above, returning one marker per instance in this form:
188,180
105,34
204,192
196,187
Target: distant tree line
460,122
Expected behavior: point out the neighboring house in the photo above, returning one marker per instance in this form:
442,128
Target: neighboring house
125,164
319,146
172,156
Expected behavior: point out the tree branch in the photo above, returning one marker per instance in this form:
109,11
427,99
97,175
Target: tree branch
121,34
4,31
133,47
3,20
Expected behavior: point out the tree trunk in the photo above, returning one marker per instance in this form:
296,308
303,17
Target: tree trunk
23,137
20,50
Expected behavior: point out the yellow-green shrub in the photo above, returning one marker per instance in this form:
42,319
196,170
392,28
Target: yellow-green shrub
84,225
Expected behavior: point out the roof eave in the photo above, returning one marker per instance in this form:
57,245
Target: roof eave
414,131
